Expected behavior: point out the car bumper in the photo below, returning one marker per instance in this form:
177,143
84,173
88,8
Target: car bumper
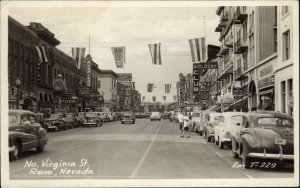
264,155
226,140
91,123
127,120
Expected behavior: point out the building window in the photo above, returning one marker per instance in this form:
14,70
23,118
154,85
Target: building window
290,97
285,10
286,45
283,98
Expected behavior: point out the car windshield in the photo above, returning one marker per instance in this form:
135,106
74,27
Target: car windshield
90,115
55,116
273,121
155,113
13,118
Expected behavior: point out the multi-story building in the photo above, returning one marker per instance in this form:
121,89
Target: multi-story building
108,88
31,81
284,66
248,37
121,91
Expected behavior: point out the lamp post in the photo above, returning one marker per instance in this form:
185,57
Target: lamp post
18,83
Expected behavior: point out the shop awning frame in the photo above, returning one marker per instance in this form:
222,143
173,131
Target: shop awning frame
238,104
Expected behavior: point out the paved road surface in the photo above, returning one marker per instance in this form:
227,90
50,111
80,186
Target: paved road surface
143,150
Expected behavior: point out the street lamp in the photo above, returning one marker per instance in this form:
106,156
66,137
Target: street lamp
18,83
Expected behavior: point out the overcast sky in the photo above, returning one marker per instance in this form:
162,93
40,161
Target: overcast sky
134,28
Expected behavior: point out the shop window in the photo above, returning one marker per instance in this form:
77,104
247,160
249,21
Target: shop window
290,96
283,98
286,45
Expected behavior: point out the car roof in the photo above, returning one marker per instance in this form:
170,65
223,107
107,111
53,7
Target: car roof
20,112
228,114
262,113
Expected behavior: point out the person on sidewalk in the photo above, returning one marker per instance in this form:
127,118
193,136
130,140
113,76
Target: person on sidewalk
180,119
186,121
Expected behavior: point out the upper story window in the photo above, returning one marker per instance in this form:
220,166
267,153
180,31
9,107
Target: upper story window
286,45
285,10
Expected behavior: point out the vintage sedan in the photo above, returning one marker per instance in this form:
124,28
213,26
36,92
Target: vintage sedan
91,119
166,115
210,120
47,126
229,123
155,116
72,120
196,122
25,133
58,121
264,135
128,117
174,117
80,116
104,117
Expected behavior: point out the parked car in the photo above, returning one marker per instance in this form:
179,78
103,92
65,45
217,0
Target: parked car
104,117
81,116
47,126
211,119
139,115
228,124
25,133
110,116
91,119
174,117
71,119
58,121
196,120
128,117
166,115
265,135
155,116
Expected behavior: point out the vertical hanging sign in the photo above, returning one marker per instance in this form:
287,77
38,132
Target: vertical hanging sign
195,83
88,68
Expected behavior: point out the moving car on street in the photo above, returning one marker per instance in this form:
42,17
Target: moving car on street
166,115
25,133
196,122
174,117
210,120
229,123
91,119
264,135
155,116
128,117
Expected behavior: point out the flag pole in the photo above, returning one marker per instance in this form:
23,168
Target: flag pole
89,43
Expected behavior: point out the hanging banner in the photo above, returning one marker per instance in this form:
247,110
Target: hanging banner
78,56
88,70
119,56
168,88
41,53
153,98
198,49
164,98
155,53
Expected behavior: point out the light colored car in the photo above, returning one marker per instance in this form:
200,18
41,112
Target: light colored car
196,122
155,116
91,119
229,123
211,119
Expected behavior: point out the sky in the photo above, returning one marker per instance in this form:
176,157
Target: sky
134,28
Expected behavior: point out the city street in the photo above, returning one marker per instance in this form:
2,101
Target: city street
147,149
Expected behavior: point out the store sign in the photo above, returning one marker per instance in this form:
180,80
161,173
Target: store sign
182,90
64,100
206,65
237,91
204,95
124,77
265,82
196,83
38,72
28,94
88,69
84,91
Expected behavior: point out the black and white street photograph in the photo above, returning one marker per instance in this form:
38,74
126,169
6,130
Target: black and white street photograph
149,93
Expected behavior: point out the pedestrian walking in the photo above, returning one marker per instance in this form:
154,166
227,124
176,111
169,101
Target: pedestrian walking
180,119
186,121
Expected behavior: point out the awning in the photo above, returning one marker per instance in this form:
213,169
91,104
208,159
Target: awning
238,105
213,107
266,91
219,108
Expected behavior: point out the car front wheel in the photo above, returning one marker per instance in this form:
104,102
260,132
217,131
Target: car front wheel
40,148
16,153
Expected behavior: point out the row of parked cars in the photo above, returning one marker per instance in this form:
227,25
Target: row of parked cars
252,136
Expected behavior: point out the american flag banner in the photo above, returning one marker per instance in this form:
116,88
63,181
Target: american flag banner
198,49
119,56
153,98
168,88
41,53
155,53
164,98
150,87
133,85
78,56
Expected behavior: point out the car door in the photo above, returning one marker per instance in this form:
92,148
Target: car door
31,127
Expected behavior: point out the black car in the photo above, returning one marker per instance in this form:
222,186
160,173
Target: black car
25,133
58,121
166,115
128,117
47,126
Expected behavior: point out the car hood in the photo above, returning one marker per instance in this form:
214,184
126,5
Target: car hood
53,119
